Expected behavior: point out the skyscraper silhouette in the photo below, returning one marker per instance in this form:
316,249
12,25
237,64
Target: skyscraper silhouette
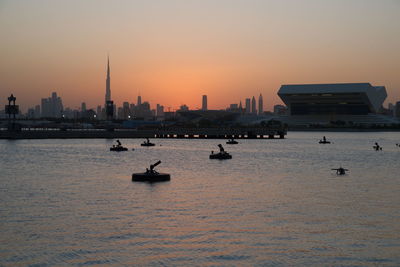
247,105
204,103
260,105
108,87
253,105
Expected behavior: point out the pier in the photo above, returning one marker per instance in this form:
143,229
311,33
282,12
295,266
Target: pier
170,132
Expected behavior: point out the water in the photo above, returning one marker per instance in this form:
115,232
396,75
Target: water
276,203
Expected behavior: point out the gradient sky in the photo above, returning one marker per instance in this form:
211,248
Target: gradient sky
172,52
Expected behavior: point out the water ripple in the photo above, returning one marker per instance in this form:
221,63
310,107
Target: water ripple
276,203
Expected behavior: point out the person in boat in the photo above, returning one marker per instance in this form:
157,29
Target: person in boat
150,171
324,139
377,146
152,166
118,143
340,171
221,149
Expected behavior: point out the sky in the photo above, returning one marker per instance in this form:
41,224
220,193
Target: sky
173,52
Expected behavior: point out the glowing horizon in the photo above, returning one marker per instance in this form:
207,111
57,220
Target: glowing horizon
173,52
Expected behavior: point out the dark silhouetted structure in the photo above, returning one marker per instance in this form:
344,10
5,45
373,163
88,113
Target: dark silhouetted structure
204,103
340,171
377,147
340,98
108,82
12,110
147,143
110,110
221,155
151,175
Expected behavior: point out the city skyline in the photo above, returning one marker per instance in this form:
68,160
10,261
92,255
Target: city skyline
204,105
227,50
53,107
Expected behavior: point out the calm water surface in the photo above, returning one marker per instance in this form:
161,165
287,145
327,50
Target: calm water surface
276,203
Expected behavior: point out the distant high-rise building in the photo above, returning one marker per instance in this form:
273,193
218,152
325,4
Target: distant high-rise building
108,83
183,108
126,111
160,111
120,113
143,110
52,107
132,109
397,110
37,111
260,105
240,107
233,106
57,106
31,113
253,105
248,108
204,103
110,110
391,108
83,107
99,113
45,107
139,100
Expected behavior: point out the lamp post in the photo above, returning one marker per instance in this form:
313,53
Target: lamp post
11,109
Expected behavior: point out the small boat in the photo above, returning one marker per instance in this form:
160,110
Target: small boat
221,155
377,147
151,176
232,142
340,171
147,143
324,141
118,147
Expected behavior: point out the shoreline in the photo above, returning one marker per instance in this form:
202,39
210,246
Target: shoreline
171,135
176,133
340,130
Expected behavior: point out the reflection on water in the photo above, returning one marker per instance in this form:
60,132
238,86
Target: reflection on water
277,202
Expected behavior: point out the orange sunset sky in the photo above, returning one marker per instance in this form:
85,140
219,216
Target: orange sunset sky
172,52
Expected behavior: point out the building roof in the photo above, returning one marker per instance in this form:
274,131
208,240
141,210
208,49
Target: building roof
375,95
325,88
